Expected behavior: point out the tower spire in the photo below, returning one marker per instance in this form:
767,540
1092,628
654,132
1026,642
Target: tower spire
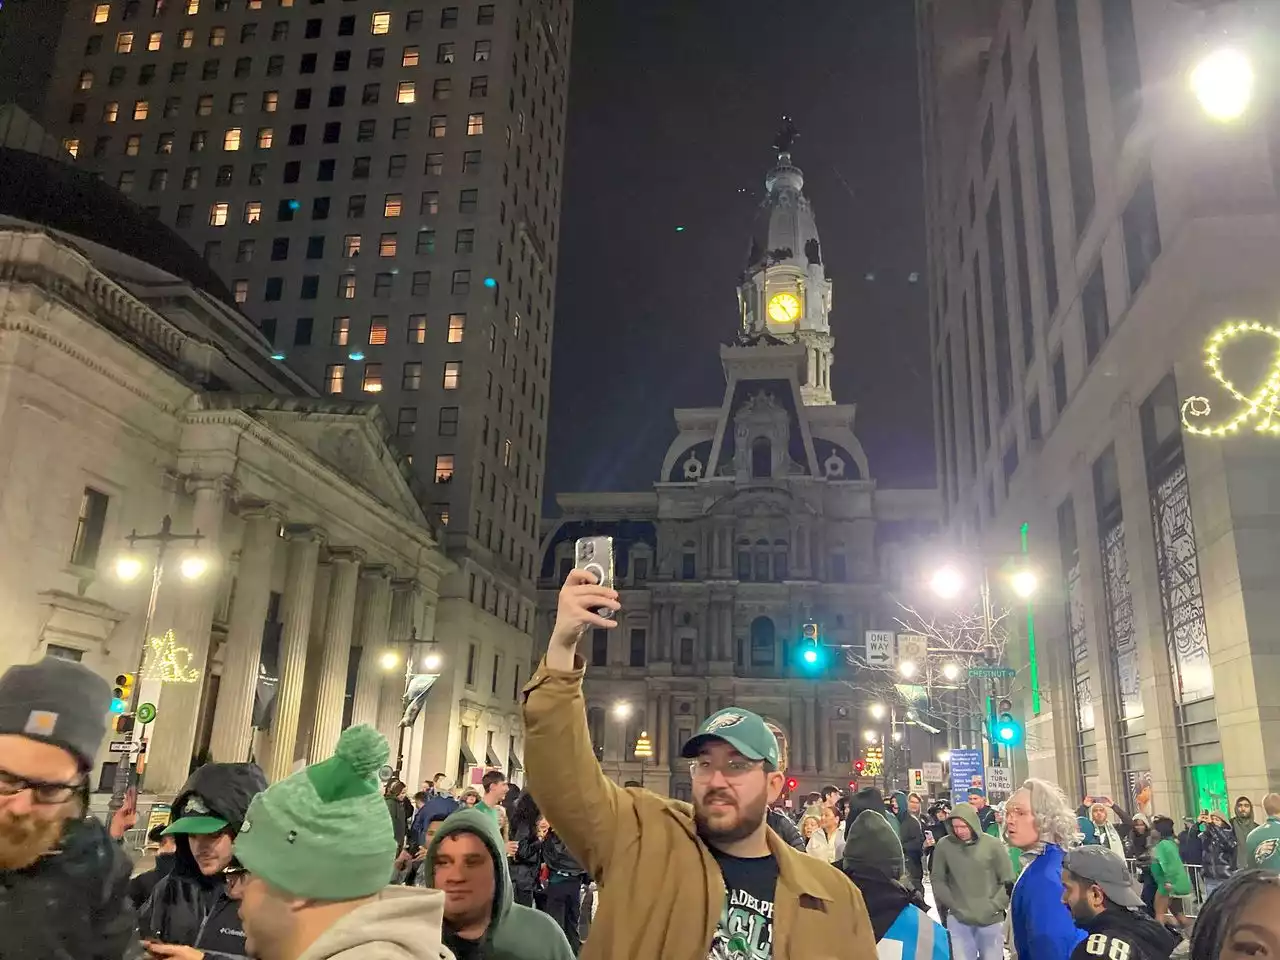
785,294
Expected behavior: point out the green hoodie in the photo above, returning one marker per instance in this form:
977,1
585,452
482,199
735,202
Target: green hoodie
515,932
1167,867
971,877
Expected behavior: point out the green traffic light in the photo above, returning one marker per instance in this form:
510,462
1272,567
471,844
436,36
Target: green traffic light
811,656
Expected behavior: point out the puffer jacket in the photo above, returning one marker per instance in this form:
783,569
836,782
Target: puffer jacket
186,907
1219,851
560,862
526,863
71,904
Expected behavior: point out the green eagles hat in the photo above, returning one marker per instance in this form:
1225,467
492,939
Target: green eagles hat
196,818
743,730
325,832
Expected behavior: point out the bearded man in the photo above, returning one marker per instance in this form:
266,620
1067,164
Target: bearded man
64,882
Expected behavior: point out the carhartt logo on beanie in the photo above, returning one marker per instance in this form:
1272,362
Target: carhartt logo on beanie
324,833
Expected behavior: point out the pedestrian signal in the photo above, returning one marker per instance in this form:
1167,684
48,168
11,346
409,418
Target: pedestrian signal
792,783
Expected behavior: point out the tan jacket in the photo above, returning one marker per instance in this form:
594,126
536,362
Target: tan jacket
661,891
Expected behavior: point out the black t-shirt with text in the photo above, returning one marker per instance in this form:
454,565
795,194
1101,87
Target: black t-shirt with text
745,928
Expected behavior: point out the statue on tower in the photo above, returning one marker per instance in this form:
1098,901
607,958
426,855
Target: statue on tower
786,136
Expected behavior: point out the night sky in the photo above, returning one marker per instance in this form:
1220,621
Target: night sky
673,105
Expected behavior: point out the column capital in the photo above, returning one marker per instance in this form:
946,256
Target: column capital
405,585
377,571
346,555
260,510
220,484
305,533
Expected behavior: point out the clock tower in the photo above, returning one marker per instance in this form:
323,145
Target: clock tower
785,295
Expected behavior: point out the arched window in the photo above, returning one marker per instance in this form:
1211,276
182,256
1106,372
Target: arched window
761,458
595,726
762,642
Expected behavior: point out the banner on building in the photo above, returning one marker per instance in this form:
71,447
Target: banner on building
966,772
1139,791
415,696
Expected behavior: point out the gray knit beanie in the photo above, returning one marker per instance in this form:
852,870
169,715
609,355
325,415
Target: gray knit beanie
59,702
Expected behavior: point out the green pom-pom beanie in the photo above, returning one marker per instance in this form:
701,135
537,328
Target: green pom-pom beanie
325,832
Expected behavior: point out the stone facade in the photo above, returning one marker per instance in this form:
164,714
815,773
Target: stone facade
764,516
128,394
1090,229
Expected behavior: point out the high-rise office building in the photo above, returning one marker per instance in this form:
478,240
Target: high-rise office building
379,184
1096,239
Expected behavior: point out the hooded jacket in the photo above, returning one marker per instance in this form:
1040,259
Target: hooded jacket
403,923
1242,826
186,907
72,902
912,835
971,877
1135,935
515,932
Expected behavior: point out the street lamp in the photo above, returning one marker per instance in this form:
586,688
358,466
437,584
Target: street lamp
869,736
1223,83
951,671
129,567
908,668
947,583
622,710
389,660
944,756
878,711
1024,583
431,663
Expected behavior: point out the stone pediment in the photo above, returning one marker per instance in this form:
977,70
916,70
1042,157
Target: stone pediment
350,441
762,502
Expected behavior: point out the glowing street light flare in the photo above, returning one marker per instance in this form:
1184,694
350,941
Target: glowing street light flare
128,567
431,662
947,583
389,660
950,670
869,736
878,711
193,567
908,668
622,710
1223,83
1024,583
944,756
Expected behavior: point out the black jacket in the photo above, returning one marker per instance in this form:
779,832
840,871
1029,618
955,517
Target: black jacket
71,904
141,886
885,898
784,828
187,907
1145,939
558,858
527,861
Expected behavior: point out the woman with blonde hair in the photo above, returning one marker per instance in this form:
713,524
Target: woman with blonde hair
808,824
1041,823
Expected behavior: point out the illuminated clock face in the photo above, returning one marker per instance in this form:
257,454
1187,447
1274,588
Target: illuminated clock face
784,308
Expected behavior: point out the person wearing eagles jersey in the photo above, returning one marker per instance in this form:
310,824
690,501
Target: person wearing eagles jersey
1262,847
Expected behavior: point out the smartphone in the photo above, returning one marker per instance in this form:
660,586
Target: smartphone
595,555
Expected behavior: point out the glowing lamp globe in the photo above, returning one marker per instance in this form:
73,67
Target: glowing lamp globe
1223,83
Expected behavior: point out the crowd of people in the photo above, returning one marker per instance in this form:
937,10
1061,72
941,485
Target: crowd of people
331,863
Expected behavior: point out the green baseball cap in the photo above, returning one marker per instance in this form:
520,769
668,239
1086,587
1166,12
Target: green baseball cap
197,818
743,730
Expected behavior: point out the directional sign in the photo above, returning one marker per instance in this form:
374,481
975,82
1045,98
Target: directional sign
124,746
880,648
146,712
992,673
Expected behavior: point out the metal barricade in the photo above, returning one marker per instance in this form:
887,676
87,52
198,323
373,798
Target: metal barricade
1199,893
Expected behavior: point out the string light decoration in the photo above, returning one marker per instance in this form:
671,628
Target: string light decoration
1264,404
169,662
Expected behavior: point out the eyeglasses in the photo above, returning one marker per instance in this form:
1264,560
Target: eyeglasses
702,769
42,791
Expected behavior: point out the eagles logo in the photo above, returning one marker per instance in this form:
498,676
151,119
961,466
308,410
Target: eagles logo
1265,850
725,720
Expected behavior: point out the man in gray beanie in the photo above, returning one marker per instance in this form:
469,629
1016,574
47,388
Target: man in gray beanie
65,881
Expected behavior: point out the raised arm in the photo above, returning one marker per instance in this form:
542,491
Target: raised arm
561,770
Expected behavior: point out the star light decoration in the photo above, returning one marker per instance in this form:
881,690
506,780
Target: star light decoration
1263,404
169,662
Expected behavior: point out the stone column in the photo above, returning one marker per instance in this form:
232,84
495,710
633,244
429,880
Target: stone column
375,619
295,612
233,718
173,739
339,613
315,653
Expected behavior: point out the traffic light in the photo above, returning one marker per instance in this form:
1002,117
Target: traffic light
812,657
792,783
1008,731
859,766
123,723
122,692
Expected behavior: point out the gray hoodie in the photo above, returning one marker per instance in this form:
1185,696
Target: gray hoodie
403,923
971,877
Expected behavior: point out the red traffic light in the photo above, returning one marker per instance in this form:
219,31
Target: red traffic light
858,766
792,783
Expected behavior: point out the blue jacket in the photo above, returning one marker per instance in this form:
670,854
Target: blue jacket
1042,925
441,804
920,936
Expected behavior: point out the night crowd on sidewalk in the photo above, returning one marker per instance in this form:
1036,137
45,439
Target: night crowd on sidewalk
333,862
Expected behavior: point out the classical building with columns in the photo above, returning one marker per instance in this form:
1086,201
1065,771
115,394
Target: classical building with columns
1104,297
132,389
764,516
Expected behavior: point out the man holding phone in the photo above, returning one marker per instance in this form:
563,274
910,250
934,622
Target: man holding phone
693,881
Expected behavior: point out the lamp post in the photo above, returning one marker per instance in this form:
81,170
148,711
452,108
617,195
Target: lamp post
643,752
128,567
431,662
